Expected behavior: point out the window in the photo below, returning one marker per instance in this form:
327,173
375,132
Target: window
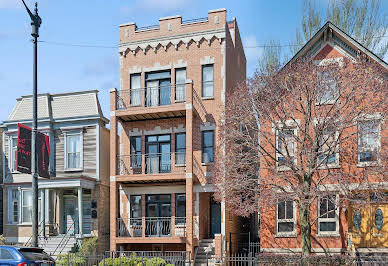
158,88
285,220
13,206
286,147
74,149
368,141
207,81
136,213
26,206
328,92
5,254
158,154
327,221
135,90
180,84
180,208
13,153
136,152
180,149
327,154
207,146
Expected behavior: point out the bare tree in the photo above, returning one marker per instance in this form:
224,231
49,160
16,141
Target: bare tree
309,127
363,20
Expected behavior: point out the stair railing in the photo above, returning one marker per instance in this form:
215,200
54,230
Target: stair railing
64,239
28,242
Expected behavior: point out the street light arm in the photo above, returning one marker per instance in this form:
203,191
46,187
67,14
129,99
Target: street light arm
29,11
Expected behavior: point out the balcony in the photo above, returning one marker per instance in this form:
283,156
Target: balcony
153,102
152,164
147,227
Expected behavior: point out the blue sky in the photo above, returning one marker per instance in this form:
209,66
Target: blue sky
95,22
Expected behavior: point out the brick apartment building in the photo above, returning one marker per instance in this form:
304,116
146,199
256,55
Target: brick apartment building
74,201
174,76
280,231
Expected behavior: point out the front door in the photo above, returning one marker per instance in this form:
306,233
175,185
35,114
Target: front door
369,223
71,215
215,217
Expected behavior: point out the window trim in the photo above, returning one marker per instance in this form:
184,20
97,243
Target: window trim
335,219
370,163
202,81
319,102
277,154
11,200
21,218
285,234
11,140
336,164
74,133
176,147
203,146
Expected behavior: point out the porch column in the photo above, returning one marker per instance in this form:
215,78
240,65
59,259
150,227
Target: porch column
43,211
60,212
80,212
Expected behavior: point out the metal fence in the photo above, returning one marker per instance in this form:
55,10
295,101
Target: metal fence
157,258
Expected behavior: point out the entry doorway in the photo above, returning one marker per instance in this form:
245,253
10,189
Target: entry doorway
368,222
70,215
215,217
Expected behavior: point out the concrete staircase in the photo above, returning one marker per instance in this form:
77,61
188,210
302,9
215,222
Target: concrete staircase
206,246
55,245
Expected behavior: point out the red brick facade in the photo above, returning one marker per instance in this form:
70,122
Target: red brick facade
173,44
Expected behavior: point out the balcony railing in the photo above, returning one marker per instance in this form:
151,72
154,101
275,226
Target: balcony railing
154,227
154,163
151,96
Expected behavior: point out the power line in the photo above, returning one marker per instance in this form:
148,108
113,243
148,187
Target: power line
117,46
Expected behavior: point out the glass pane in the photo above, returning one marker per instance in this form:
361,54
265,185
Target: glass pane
331,207
165,210
289,210
27,212
180,141
323,207
152,93
207,155
152,210
207,73
285,227
207,81
135,206
158,75
135,90
165,92
152,138
27,198
164,197
5,254
327,226
281,210
208,138
180,208
164,138
180,76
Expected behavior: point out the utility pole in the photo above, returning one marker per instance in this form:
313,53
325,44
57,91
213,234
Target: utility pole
35,23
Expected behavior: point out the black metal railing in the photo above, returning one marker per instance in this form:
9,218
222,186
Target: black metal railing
130,227
155,163
194,20
151,96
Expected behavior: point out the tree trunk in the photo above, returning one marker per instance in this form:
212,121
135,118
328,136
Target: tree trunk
305,227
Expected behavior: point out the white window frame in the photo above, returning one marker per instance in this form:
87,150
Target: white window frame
21,206
335,219
11,140
335,164
285,167
293,220
371,163
11,201
203,66
336,95
74,133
